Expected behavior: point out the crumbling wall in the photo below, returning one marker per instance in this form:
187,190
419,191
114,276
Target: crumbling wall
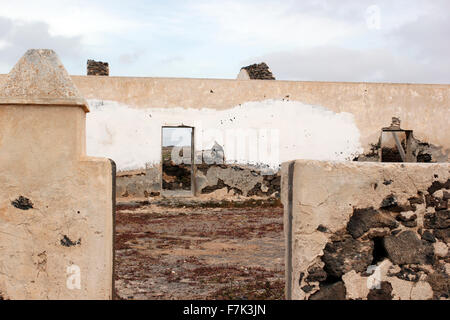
422,152
216,180
236,180
139,183
97,68
366,230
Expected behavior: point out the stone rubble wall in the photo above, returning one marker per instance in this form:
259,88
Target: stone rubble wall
219,181
97,68
366,230
259,71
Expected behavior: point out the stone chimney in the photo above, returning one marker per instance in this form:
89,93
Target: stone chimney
97,68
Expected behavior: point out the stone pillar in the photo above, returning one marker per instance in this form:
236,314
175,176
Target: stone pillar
56,204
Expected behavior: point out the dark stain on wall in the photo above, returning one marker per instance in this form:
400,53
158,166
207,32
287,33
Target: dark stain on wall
67,242
22,203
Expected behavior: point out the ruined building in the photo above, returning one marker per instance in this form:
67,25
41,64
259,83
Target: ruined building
258,124
371,188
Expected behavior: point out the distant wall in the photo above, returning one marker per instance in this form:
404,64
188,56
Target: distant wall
421,107
215,181
366,230
313,120
256,133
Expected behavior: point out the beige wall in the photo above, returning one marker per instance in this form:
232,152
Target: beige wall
56,204
42,160
424,108
335,210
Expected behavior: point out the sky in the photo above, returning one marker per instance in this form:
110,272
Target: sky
309,40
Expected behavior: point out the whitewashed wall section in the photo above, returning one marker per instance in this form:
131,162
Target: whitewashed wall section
291,129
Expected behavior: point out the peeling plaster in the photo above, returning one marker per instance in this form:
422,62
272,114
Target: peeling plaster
132,137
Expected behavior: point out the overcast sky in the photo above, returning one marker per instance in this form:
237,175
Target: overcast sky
319,40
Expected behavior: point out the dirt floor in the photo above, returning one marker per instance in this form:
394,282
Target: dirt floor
199,251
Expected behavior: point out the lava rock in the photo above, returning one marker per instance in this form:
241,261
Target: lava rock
364,219
389,201
436,185
409,273
408,219
349,254
409,224
259,71
384,293
446,195
307,288
440,283
335,291
437,203
416,200
407,248
437,220
428,236
443,235
316,273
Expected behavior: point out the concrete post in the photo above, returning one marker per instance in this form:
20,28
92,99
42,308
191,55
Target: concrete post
56,204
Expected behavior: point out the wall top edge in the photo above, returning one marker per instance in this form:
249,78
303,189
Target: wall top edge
106,78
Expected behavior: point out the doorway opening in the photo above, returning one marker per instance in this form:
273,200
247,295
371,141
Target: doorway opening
177,158
395,144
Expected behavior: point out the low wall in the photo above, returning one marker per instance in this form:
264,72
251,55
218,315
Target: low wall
366,230
220,181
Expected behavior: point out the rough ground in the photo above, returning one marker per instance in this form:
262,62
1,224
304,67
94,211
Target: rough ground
207,251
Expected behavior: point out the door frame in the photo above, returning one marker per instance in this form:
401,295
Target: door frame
193,184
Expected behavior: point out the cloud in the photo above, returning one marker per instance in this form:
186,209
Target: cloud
328,63
410,48
16,37
271,24
132,57
308,39
426,37
90,19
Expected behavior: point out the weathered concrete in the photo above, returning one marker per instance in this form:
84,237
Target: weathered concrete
316,120
40,79
419,106
372,226
56,205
